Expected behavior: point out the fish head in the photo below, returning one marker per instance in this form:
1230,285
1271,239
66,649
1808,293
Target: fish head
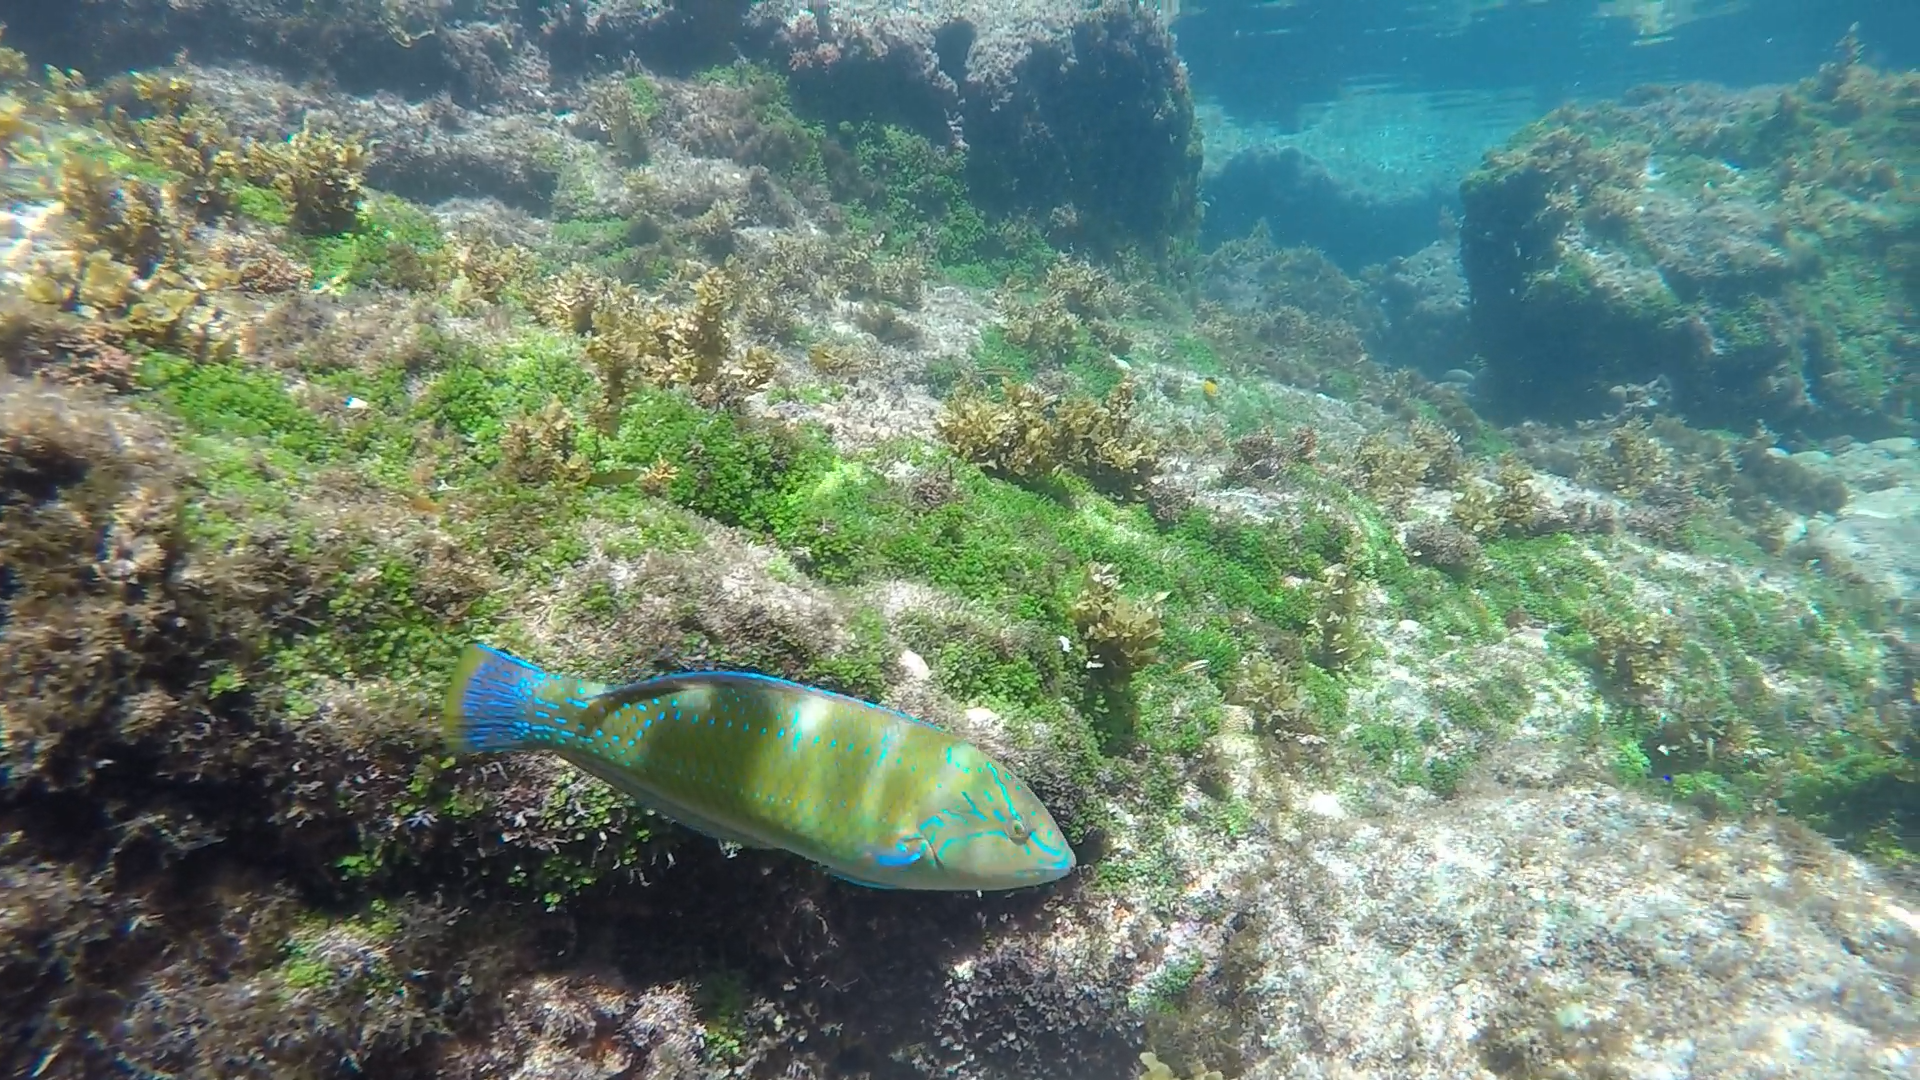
984,829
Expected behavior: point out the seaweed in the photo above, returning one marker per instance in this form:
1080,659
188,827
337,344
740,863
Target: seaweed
1028,435
691,348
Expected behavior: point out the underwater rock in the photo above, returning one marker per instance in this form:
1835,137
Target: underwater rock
1342,815
1074,112
426,151
1564,933
1303,203
170,826
1877,537
409,47
1425,301
1746,246
1254,276
678,37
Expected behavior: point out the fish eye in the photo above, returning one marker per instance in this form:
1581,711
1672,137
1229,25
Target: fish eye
1018,830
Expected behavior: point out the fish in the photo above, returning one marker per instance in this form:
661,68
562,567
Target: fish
876,797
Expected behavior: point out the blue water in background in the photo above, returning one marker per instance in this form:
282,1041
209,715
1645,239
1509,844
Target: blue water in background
1394,101
1267,58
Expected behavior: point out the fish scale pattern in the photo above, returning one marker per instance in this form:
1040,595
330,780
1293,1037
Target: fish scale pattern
874,795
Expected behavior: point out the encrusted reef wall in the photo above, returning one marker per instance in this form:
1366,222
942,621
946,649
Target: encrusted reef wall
1302,202
1078,115
1735,247
472,50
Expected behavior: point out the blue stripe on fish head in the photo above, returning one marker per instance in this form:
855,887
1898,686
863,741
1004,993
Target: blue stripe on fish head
985,826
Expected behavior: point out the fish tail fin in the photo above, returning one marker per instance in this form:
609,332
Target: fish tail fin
496,701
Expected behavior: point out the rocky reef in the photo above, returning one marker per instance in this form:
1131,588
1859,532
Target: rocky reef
1752,250
1295,196
1390,741
1078,115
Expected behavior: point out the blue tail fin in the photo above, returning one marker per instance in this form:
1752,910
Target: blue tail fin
496,701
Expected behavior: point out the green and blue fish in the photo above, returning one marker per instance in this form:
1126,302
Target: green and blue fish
873,795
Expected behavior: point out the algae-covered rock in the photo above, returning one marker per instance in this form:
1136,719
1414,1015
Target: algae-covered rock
1077,112
1734,245
1072,112
1446,940
1426,305
1303,203
472,52
1877,533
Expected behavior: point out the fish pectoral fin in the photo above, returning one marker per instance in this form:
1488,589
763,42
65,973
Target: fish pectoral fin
905,852
660,804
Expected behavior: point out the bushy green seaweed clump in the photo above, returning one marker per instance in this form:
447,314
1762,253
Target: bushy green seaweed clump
1029,436
1121,636
913,186
918,197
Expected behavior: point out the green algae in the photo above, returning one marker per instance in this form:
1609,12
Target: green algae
1001,545
1165,989
1221,587
599,835
996,543
982,659
343,955
915,185
238,402
264,205
1766,701
893,182
389,244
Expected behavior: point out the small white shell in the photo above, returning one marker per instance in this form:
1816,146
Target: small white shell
914,665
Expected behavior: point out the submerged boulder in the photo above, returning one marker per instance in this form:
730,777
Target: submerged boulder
1078,113
1424,302
470,53
1301,201
1755,250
